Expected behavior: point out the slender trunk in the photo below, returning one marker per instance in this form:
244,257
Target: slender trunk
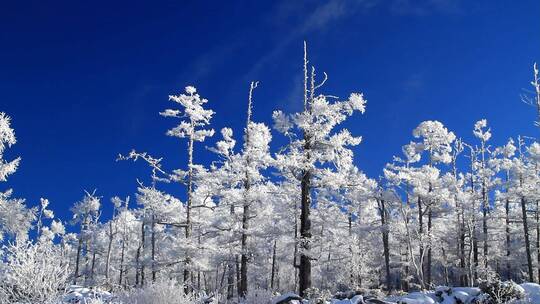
230,266
109,251
386,247
295,252
223,277
408,251
527,241
473,233
143,237
244,259
93,267
137,266
230,280
485,206
86,260
538,240
238,275
304,271
153,239
421,234
78,259
526,233
430,217
272,279
352,270
121,270
305,235
463,277
507,231
445,265
484,226
187,267
247,203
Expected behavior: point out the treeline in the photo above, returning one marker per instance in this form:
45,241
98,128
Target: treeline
304,217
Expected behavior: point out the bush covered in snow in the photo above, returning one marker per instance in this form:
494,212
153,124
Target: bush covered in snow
497,291
160,292
33,273
258,296
318,296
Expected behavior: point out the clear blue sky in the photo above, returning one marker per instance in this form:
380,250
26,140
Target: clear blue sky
85,80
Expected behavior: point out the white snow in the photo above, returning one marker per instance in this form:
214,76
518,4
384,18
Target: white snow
532,292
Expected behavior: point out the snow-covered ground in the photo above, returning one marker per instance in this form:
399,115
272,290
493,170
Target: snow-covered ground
441,295
82,295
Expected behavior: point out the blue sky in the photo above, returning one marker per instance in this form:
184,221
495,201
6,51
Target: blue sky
84,81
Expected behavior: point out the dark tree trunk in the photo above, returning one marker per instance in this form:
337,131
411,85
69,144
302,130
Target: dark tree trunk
238,275
428,267
538,240
485,206
526,235
274,261
463,277
153,239
78,259
244,259
507,231
385,240
143,227
304,271
421,247
121,270
187,268
230,280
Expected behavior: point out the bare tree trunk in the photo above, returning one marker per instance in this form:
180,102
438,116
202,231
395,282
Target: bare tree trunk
304,271
385,240
153,239
109,251
430,217
247,202
445,265
143,237
463,276
231,265
527,241
526,231
243,258
238,274
78,258
272,279
295,253
121,270
93,267
305,235
187,271
421,234
230,280
538,240
139,267
485,228
507,231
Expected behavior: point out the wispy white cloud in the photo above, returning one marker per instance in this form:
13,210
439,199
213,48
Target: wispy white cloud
313,16
205,64
425,7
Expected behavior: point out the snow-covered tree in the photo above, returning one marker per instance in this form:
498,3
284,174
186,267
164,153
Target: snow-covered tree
194,117
15,218
315,152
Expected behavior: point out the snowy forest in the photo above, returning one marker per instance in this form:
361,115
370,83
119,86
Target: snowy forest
446,221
